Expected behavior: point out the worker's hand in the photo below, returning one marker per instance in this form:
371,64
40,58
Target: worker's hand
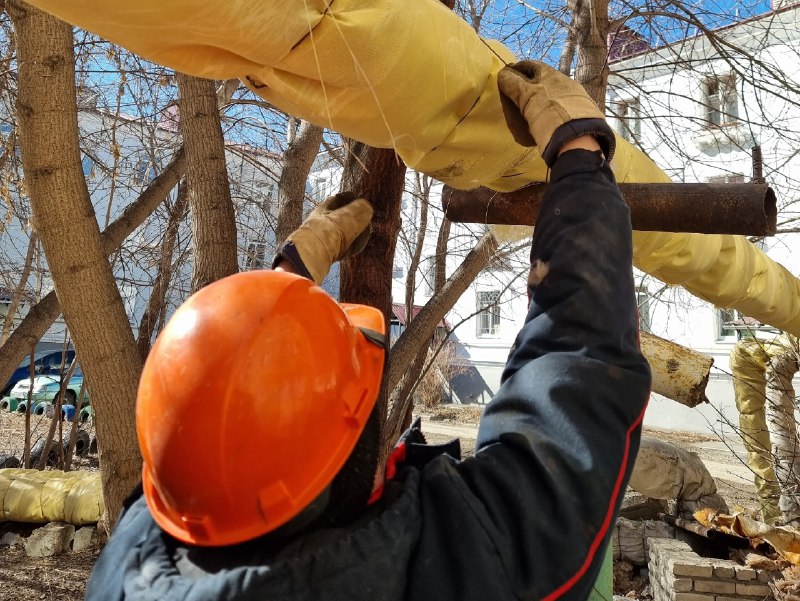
339,227
547,109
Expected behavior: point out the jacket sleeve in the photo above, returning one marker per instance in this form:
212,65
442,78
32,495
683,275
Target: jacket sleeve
557,443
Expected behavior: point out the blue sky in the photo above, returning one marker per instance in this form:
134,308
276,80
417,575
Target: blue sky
534,28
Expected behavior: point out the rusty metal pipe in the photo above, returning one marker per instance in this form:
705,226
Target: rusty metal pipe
688,525
742,209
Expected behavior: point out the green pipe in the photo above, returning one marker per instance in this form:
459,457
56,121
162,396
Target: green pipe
603,589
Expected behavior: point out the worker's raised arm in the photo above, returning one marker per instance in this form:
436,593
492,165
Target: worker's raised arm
339,227
558,441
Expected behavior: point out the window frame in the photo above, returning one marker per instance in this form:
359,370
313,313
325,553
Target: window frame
723,334
721,100
628,113
487,311
643,305
255,256
727,178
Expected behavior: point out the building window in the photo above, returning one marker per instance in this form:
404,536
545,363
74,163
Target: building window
726,318
643,304
728,178
430,275
629,115
254,259
721,100
143,172
398,272
320,188
267,192
488,313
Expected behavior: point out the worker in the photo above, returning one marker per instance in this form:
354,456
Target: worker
259,472
762,373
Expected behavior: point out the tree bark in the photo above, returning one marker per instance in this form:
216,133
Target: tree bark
297,161
568,51
20,289
42,315
65,221
441,254
213,216
379,176
591,32
415,370
157,300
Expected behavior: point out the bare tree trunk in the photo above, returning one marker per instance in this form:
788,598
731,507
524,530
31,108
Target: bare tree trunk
155,305
20,289
42,315
591,26
404,398
56,419
379,176
408,355
411,278
65,221
213,216
297,161
441,255
568,52
26,449
416,368
73,431
420,330
407,359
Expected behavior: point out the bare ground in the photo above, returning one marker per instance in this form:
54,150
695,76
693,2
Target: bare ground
63,578
60,578
23,578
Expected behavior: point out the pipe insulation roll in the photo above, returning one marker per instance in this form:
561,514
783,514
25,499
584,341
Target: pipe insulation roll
679,373
50,496
413,76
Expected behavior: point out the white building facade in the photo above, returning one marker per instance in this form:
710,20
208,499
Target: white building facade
696,108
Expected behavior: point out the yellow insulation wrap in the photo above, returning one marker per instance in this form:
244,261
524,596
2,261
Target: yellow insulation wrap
412,75
50,496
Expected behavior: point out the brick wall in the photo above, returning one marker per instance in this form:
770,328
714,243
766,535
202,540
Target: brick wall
678,574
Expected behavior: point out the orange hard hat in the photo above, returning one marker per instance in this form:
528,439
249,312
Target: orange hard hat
251,401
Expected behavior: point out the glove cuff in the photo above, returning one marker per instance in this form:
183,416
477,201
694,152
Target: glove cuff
288,252
571,130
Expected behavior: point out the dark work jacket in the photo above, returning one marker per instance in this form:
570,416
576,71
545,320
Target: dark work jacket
529,516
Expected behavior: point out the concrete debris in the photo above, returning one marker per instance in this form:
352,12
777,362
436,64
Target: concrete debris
11,539
85,538
52,539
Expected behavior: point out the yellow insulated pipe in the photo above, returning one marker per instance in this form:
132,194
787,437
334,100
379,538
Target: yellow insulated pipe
411,75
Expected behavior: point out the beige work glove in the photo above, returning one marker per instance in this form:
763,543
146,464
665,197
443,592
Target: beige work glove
339,227
547,109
